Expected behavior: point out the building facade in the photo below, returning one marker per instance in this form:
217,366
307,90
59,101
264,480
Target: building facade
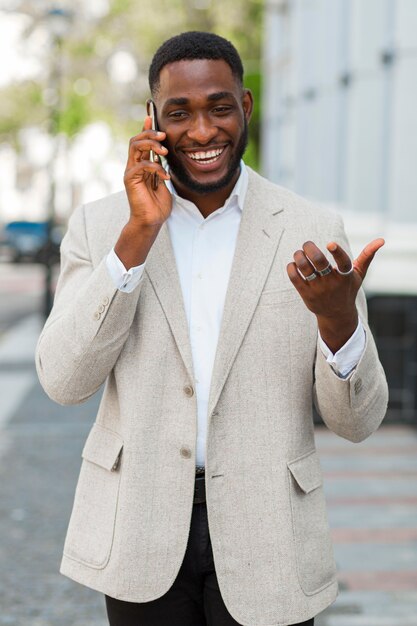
340,127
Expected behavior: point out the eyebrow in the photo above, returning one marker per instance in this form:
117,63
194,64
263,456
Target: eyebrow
176,101
212,97
220,95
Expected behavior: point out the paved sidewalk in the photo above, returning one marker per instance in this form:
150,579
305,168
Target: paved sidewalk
371,490
39,464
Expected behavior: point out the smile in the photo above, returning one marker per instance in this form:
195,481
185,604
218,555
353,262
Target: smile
208,156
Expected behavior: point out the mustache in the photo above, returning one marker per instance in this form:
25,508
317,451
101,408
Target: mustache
206,146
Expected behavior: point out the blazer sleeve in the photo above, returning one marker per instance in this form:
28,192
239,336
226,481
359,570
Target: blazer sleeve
88,325
352,407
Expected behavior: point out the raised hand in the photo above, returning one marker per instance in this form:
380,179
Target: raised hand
330,292
150,205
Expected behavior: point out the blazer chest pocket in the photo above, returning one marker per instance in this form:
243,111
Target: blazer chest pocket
90,533
314,552
277,297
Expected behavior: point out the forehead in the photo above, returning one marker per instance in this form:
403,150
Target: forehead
196,78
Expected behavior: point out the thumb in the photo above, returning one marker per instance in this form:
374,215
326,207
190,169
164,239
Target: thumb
363,261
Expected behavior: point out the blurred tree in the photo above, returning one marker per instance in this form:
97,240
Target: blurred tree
104,63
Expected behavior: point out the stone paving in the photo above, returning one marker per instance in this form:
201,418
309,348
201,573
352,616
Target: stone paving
371,489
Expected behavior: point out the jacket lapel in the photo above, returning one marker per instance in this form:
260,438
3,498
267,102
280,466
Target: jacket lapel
161,268
260,232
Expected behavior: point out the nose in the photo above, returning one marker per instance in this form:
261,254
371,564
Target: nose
201,130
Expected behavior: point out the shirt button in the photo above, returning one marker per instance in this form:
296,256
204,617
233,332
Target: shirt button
188,390
185,452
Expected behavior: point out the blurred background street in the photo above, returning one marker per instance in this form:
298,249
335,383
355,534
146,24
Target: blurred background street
334,82
21,290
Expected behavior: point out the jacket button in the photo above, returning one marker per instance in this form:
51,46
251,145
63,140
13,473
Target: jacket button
185,452
101,308
188,390
96,315
105,301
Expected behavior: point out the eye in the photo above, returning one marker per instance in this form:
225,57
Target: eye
177,115
222,109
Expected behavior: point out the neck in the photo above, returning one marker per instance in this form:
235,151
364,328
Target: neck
206,203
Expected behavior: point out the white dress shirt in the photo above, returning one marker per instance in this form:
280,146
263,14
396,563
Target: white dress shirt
204,250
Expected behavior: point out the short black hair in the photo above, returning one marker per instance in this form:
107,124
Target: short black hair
193,45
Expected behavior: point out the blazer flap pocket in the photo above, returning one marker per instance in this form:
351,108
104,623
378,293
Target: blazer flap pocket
279,296
103,447
307,471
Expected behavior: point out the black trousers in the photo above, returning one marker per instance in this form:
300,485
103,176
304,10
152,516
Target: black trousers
193,600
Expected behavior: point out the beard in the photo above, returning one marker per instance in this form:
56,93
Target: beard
179,171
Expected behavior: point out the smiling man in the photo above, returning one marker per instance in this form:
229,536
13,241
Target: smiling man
208,307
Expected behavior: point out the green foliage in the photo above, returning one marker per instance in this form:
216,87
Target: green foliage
21,105
75,115
82,49
251,154
120,7
138,28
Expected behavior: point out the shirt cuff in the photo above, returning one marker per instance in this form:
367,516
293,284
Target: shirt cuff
125,280
347,358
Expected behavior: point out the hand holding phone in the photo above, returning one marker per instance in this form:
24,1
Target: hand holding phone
150,204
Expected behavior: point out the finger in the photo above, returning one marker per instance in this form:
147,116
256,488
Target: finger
143,146
343,260
303,264
363,261
139,171
147,123
294,276
139,149
157,135
147,133
147,126
315,255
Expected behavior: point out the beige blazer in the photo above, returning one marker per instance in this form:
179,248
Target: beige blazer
130,521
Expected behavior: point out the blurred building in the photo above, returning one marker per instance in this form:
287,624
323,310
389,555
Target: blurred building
340,127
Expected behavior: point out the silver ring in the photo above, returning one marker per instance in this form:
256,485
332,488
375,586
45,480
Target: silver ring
311,276
327,270
345,273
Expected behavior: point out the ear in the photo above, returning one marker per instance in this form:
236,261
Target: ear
247,103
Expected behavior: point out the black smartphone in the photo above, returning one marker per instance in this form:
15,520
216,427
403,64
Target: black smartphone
150,109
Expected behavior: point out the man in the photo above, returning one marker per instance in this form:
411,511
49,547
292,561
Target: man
214,328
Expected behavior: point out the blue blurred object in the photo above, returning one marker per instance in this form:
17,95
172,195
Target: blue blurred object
26,241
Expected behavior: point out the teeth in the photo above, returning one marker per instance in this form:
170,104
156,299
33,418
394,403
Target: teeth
208,157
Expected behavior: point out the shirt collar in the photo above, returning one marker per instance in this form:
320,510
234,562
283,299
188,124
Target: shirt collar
236,198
